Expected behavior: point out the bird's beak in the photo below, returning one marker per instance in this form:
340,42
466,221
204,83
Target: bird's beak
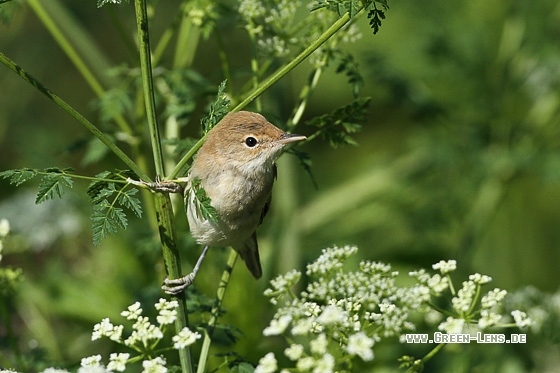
288,138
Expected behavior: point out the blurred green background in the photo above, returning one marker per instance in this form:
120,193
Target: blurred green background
459,159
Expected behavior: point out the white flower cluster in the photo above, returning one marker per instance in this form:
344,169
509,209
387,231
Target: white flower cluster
144,337
345,313
466,300
267,21
336,309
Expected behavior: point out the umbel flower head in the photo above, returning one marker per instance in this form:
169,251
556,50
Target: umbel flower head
344,312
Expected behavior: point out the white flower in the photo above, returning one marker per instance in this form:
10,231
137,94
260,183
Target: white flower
438,283
143,331
319,345
479,279
277,327
294,352
282,284
166,317
332,315
156,365
325,364
331,258
452,325
360,344
118,361
251,9
267,364
445,266
164,304
302,327
106,329
462,302
91,361
133,312
185,338
521,319
305,364
48,370
92,364
4,228
488,319
493,298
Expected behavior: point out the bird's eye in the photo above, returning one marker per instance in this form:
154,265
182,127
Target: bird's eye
251,141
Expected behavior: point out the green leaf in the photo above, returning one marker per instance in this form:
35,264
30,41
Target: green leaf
349,66
106,219
108,200
127,199
375,16
20,176
243,367
218,109
202,202
97,186
52,184
336,127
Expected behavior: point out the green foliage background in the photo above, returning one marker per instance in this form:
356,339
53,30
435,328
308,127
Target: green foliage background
459,159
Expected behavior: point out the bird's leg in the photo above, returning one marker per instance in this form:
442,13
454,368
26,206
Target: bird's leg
177,285
163,186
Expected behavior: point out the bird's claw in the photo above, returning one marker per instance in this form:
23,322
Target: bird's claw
177,285
163,186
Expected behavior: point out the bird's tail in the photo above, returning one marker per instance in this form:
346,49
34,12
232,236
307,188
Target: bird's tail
249,252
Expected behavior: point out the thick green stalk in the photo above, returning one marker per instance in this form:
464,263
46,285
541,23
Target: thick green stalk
76,115
164,210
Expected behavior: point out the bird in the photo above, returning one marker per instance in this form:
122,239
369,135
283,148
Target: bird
236,167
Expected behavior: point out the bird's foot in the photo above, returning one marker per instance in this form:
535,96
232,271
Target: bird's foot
177,285
164,186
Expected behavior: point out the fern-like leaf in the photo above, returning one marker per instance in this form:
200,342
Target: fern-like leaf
103,182
202,203
108,200
336,127
106,219
52,184
218,109
128,199
349,66
375,16
19,176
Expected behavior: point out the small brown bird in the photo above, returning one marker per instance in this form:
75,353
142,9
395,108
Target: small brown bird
236,167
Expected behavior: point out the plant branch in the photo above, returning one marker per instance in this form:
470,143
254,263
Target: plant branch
280,73
76,115
220,293
78,62
164,210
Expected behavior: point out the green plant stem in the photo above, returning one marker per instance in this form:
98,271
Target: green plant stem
75,114
78,62
254,63
304,97
164,210
220,293
433,353
281,72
